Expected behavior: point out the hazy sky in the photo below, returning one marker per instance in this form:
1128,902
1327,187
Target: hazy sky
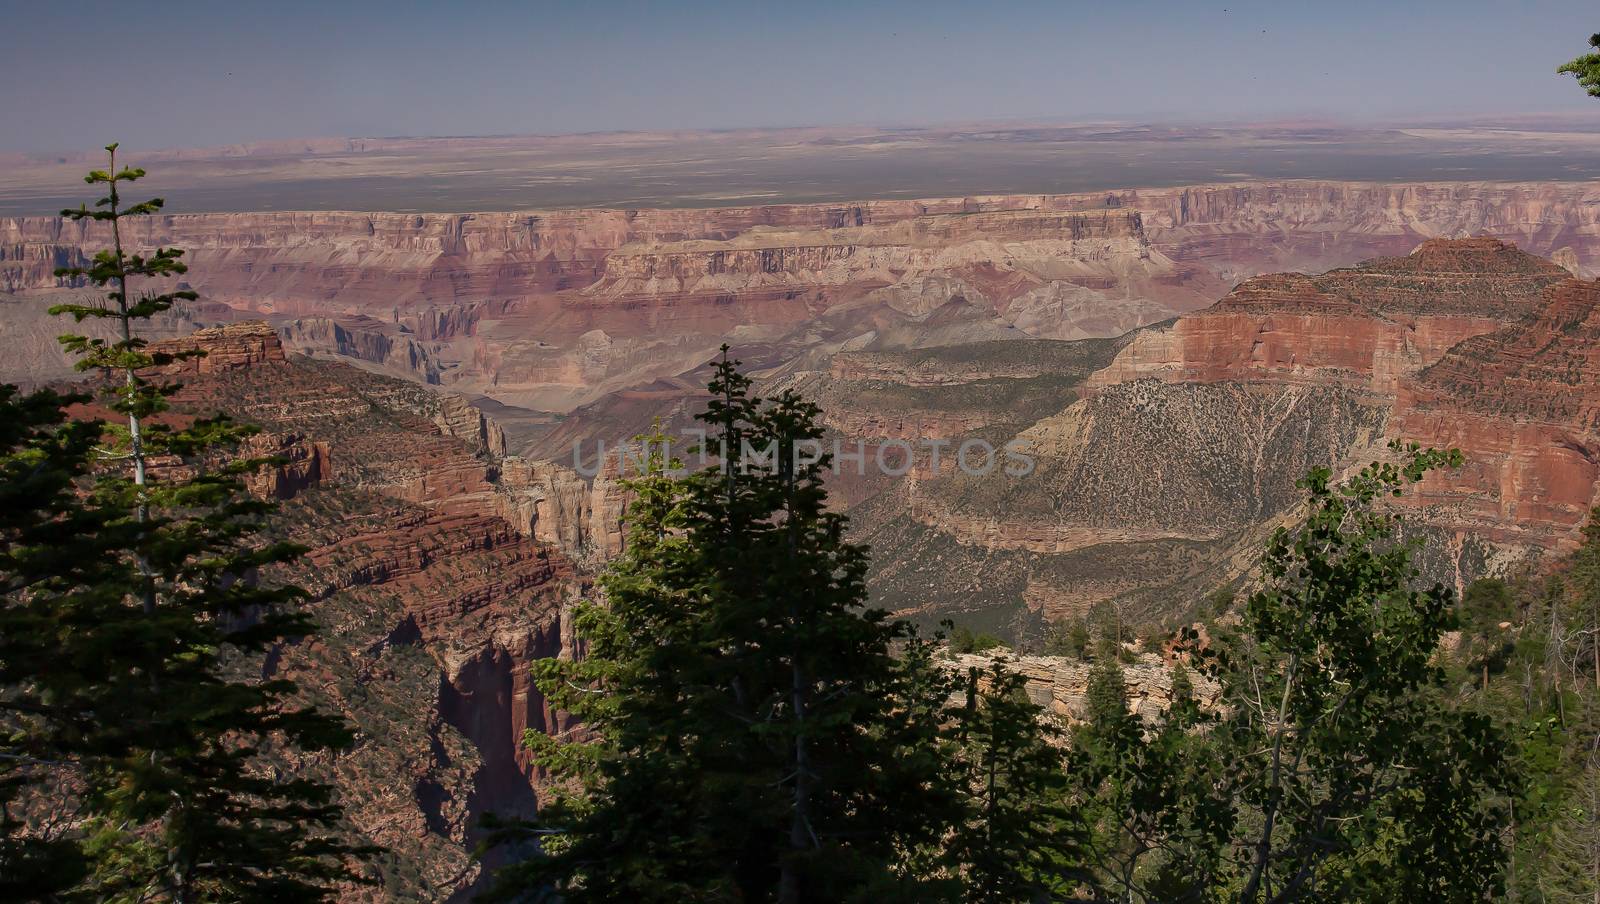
202,73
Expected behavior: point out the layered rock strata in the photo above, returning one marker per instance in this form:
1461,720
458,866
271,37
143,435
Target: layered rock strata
552,310
435,584
1171,462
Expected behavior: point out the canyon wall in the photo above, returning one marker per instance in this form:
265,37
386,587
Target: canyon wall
1160,473
1167,427
438,572
552,310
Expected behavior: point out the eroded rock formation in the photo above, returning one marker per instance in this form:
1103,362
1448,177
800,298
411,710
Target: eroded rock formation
1168,466
434,597
553,310
1060,685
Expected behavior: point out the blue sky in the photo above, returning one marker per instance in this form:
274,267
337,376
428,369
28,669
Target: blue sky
184,73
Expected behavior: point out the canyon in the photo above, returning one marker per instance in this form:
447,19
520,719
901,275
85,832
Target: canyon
1172,360
438,569
1086,325
1161,475
553,310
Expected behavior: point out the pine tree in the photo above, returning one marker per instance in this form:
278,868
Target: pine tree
46,539
1070,638
1106,697
118,645
758,738
1019,842
1150,794
1078,639
1485,606
1586,68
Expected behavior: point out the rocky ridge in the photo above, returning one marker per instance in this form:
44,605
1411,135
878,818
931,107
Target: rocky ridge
437,578
1060,684
553,309
1166,466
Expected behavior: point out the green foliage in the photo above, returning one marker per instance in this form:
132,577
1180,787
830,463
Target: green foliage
1071,639
759,735
1154,795
1152,636
756,735
962,640
1484,618
1586,68
1018,841
127,599
1105,621
1110,633
1360,781
1106,698
1544,684
1336,768
42,455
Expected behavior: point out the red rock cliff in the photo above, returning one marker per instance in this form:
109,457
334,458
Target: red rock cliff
432,604
619,298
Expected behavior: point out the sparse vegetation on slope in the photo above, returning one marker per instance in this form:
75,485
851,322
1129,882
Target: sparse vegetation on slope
729,723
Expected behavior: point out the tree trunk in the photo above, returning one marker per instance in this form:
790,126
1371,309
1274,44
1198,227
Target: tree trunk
800,831
135,432
800,818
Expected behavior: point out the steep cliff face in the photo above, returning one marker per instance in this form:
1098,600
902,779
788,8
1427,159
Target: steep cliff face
367,339
1467,343
433,597
1310,226
1164,469
1364,326
581,517
553,310
217,350
456,417
384,261
1522,403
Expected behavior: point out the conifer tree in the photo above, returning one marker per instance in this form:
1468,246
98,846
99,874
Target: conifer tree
757,737
1586,68
1019,842
129,602
1157,813
46,537
1485,606
1071,638
1106,697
